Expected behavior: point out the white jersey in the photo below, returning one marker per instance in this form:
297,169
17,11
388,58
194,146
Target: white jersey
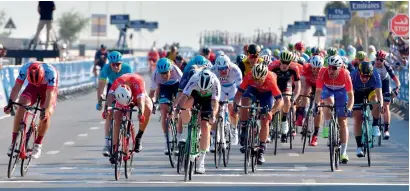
234,76
156,78
215,91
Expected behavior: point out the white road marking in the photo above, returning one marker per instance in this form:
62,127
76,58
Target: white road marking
308,181
69,143
293,154
52,152
301,167
193,182
3,117
83,135
261,169
94,128
102,122
68,168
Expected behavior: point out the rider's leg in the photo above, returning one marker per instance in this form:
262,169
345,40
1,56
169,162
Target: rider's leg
142,126
300,111
375,114
206,117
386,104
340,101
285,111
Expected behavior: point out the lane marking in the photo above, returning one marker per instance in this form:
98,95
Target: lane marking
193,182
83,135
308,181
3,117
293,154
94,128
52,152
102,122
69,143
301,167
262,169
68,168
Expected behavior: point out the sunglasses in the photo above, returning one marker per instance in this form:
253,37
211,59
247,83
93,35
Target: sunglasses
253,56
333,67
163,73
381,60
365,76
285,63
258,80
223,69
116,64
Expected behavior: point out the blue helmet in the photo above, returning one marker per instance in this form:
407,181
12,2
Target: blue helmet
114,57
164,65
198,60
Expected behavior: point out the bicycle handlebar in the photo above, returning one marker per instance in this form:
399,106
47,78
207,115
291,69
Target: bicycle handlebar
123,109
28,108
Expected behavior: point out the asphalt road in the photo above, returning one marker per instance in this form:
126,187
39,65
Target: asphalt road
72,160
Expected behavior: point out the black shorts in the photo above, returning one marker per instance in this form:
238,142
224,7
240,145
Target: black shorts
108,89
360,95
167,92
205,103
386,90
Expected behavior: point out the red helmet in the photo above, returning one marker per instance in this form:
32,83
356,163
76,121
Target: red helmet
300,46
381,54
35,73
245,49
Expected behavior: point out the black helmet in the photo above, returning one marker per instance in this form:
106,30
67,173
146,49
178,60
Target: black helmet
366,68
239,58
206,50
179,57
254,49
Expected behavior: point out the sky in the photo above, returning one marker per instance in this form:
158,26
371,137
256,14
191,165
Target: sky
180,21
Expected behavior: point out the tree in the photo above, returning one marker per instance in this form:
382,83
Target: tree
2,22
71,24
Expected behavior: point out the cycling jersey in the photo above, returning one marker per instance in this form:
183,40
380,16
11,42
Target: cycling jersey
245,66
185,78
343,80
107,73
134,81
153,55
50,75
308,74
385,71
230,82
269,85
156,79
373,83
189,66
214,92
285,78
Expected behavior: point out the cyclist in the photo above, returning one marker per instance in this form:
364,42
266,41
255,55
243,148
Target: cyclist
197,60
153,57
287,72
372,53
385,70
267,52
251,60
300,49
128,90
239,59
291,47
308,77
330,52
334,87
259,84
203,88
276,54
165,81
100,58
42,81
180,62
230,77
351,53
266,60
111,71
360,57
366,84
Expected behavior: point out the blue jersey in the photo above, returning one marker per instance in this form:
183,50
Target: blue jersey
373,83
50,74
185,78
107,72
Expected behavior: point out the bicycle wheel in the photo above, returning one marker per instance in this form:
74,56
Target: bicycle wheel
379,141
15,154
337,146
331,146
128,157
254,148
30,137
227,149
305,132
110,142
276,124
367,144
181,157
118,157
169,139
247,149
187,153
217,143
291,126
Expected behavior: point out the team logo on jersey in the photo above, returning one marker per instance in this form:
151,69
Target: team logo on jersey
22,76
51,81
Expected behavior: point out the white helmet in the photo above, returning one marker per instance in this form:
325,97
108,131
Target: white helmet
266,52
266,59
123,94
259,71
222,61
317,61
208,65
335,61
205,82
372,48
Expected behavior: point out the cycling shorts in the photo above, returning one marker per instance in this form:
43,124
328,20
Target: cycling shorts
205,103
167,92
228,93
386,91
340,99
31,91
265,98
360,95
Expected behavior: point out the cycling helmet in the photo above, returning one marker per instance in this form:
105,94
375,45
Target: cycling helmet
381,54
286,56
239,58
179,58
266,59
219,53
35,73
276,52
115,57
205,82
290,46
361,55
299,46
317,61
259,71
222,61
308,52
208,64
164,65
295,56
206,50
267,52
366,68
335,61
345,60
123,94
315,50
254,49
245,49
198,60
332,51
372,48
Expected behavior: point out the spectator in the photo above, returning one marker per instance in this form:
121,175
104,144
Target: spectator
390,39
123,35
3,53
100,58
45,9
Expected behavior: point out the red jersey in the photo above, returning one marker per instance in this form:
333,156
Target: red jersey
153,55
343,80
136,83
268,85
308,74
